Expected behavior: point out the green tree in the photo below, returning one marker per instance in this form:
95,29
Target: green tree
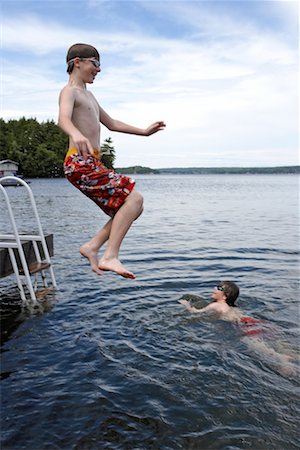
40,148
108,153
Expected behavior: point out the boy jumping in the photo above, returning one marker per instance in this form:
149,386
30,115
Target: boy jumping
80,116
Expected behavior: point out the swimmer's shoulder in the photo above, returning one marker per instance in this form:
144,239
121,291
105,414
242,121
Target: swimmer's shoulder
232,315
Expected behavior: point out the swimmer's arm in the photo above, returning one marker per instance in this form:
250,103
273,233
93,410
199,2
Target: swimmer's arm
66,106
121,127
191,308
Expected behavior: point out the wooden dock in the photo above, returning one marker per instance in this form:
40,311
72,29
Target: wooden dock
5,263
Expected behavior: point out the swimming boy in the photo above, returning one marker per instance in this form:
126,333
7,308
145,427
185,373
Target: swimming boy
80,116
224,296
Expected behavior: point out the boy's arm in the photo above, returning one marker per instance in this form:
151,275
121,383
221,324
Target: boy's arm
117,125
196,310
66,106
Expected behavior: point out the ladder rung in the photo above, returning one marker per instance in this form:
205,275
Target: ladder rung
22,237
37,267
8,244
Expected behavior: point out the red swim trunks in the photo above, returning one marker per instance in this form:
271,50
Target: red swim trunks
252,326
105,187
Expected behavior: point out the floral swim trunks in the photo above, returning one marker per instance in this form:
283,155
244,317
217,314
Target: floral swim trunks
252,326
105,187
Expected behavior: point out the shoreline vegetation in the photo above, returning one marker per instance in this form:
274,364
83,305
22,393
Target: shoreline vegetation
209,170
40,148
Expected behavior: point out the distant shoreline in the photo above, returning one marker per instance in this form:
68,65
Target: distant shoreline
133,170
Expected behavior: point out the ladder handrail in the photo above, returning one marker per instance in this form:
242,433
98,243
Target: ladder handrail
41,233
40,237
18,241
33,204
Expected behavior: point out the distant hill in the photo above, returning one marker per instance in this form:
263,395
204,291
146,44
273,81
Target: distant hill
210,170
136,169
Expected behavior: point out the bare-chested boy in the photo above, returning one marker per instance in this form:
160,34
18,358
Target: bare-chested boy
80,116
225,295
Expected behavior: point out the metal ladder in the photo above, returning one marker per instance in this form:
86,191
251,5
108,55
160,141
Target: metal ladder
14,241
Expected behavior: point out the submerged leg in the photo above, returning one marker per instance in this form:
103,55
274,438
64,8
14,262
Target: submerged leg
129,211
90,249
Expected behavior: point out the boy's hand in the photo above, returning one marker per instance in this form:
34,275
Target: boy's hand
184,302
154,128
189,307
82,145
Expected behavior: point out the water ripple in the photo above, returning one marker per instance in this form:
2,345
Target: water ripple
108,363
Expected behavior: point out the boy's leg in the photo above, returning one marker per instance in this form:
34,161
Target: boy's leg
129,211
90,249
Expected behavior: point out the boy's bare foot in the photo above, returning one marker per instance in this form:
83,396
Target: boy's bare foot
114,265
92,256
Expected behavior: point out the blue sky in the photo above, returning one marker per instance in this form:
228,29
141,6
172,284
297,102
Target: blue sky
223,75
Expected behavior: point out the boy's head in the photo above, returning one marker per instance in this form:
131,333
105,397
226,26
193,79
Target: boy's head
230,291
81,51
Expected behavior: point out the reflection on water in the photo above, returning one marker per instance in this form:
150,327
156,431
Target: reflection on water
109,363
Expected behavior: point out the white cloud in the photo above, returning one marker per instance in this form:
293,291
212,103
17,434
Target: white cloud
232,92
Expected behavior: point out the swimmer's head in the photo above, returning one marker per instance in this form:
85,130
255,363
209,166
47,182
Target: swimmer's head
80,51
230,290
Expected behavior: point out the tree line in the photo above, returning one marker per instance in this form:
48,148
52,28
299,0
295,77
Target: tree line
40,148
231,170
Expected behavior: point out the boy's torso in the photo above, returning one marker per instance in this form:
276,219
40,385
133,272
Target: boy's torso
86,116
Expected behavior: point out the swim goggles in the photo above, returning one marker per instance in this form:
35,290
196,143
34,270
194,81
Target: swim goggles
95,62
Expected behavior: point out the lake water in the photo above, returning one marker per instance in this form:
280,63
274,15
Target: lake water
111,363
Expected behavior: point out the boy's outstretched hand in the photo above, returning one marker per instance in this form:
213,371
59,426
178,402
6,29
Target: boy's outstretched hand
184,302
154,128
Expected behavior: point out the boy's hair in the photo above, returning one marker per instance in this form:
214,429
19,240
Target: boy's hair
231,292
80,51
